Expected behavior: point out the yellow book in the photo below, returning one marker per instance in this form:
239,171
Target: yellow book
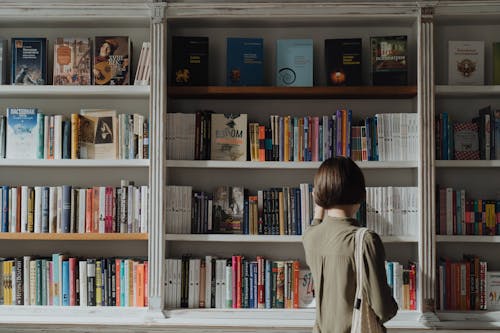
98,283
75,132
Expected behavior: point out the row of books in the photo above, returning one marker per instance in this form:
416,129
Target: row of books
294,61
208,135
27,133
457,215
281,211
67,209
237,282
403,283
469,140
467,285
74,62
70,281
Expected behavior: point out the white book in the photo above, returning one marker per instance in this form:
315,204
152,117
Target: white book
38,209
26,279
178,279
169,267
59,204
24,208
466,62
82,202
52,209
137,207
196,282
13,209
208,281
22,133
191,284
58,136
144,213
46,136
82,275
306,289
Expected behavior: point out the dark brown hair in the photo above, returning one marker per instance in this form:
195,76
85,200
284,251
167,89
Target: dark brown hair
339,181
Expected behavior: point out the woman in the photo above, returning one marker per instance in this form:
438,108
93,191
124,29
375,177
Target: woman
339,189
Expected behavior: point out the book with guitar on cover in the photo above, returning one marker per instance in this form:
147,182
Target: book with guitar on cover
112,59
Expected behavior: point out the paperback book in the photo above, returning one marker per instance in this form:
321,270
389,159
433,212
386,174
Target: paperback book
343,62
493,291
245,62
98,134
190,61
229,137
294,62
466,62
29,61
22,133
227,210
112,59
389,60
72,61
466,141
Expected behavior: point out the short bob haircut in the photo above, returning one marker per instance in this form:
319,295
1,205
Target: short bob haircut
339,181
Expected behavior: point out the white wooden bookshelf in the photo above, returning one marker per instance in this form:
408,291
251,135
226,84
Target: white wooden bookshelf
70,92
468,91
468,164
67,163
282,165
264,238
467,239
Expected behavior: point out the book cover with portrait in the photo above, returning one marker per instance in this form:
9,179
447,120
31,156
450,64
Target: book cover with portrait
112,59
98,134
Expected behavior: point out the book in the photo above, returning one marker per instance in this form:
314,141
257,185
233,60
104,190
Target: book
343,62
29,61
496,62
389,60
72,61
306,289
466,62
22,133
493,290
112,59
229,137
245,63
497,134
466,141
3,61
190,61
227,209
294,62
143,72
98,134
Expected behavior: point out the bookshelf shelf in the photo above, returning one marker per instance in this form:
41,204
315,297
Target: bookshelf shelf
467,239
71,92
74,237
468,91
361,92
282,165
468,164
264,238
75,163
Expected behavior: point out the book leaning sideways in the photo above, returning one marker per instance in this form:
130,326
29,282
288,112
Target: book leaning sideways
98,134
29,61
22,133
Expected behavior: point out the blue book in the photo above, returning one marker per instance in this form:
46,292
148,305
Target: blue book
267,283
497,135
5,209
66,208
294,62
390,274
55,279
245,64
22,133
65,283
66,139
45,209
29,61
40,124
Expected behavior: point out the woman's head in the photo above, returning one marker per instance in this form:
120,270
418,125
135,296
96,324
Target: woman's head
339,181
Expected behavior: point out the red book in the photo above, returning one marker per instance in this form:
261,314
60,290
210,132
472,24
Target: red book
72,281
89,201
146,284
295,284
238,282
413,287
95,209
108,210
262,143
234,269
117,281
260,283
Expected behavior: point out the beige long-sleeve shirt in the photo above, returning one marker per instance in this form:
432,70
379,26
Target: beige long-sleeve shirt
329,248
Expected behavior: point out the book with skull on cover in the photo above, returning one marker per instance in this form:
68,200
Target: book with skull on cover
466,62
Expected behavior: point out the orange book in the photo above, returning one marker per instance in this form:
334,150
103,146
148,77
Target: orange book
89,217
295,284
262,143
117,281
95,209
344,132
300,144
286,139
131,269
75,132
139,285
146,285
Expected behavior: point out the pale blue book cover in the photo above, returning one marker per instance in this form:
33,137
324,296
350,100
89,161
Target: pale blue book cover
294,62
22,133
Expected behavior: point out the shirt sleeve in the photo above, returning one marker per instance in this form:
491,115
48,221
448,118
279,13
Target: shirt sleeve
377,291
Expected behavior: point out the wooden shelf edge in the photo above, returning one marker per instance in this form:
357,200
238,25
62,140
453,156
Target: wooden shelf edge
264,238
271,92
74,236
283,165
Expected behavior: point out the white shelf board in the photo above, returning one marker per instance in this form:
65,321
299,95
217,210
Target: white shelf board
472,320
264,238
67,163
282,165
48,91
468,164
468,91
467,239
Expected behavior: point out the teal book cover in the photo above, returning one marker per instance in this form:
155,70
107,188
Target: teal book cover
245,64
294,63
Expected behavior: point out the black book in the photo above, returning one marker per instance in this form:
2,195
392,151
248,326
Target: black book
343,62
389,60
190,61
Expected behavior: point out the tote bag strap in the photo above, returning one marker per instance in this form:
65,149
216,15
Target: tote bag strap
358,258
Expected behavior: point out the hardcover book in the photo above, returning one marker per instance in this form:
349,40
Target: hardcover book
229,137
466,141
306,289
466,62
29,61
294,62
227,209
343,62
389,60
245,62
98,134
190,61
3,61
112,59
493,290
72,61
22,133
